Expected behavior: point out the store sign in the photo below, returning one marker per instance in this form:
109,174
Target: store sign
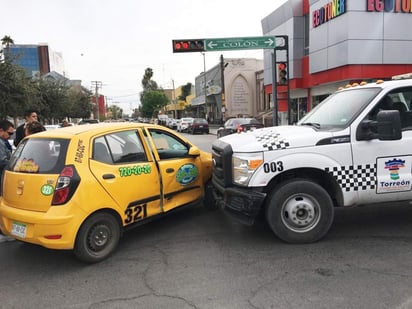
396,6
327,12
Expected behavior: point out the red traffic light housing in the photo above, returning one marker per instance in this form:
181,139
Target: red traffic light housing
282,73
185,46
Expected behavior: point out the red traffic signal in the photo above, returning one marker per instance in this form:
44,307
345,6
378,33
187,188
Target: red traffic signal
282,73
185,46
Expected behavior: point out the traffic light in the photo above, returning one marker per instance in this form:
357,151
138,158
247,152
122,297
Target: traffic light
282,73
185,46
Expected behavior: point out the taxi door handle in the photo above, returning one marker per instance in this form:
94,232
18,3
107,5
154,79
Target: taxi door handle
108,176
170,170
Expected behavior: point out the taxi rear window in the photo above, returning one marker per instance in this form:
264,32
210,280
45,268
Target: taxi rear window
39,156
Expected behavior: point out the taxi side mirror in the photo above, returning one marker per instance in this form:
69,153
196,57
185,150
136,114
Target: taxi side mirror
194,151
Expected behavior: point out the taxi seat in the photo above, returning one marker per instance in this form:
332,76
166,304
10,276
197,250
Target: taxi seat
101,153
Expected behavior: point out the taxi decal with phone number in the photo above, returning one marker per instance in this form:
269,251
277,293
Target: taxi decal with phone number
126,171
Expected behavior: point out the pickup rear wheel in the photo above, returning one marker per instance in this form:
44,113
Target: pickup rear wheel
300,211
97,238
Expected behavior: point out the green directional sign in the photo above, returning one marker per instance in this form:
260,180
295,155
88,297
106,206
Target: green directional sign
260,42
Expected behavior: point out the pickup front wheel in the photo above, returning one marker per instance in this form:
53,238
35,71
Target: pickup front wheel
299,211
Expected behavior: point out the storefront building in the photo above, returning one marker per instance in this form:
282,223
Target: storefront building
336,42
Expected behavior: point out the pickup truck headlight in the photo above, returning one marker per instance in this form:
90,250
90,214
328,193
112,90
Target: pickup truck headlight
244,165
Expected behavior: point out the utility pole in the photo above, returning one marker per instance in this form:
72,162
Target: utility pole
174,99
97,84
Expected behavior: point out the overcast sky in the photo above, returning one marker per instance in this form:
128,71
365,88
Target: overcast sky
114,41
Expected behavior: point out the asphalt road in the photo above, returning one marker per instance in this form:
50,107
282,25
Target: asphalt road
195,258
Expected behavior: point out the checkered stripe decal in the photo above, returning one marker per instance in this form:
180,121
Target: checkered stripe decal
350,178
272,141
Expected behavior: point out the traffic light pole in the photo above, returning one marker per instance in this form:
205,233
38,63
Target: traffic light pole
274,89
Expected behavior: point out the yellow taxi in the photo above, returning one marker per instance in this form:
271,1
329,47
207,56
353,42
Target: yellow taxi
80,188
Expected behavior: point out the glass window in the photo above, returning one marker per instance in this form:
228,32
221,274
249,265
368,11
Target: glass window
119,147
168,146
35,155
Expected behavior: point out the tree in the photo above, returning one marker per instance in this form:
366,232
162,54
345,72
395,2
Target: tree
6,41
186,91
152,97
152,102
78,103
116,111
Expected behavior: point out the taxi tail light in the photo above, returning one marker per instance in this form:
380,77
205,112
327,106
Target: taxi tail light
66,185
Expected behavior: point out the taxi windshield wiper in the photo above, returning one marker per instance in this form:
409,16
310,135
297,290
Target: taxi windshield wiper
311,124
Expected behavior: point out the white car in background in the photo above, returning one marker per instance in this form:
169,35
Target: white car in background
49,127
184,124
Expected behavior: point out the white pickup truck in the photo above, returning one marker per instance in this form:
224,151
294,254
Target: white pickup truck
354,148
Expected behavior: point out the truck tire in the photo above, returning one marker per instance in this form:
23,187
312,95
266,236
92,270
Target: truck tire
299,211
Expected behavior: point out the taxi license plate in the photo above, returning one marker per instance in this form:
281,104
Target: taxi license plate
200,126
18,229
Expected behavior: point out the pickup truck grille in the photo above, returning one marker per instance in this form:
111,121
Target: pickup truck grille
222,163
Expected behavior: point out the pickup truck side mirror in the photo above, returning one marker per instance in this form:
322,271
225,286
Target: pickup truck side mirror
389,125
386,127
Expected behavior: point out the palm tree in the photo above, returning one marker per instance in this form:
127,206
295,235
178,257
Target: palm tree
6,41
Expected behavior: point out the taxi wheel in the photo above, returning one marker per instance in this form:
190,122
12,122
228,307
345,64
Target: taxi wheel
300,211
209,201
97,238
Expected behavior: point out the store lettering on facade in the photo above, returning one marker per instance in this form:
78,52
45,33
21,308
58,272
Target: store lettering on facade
396,6
329,11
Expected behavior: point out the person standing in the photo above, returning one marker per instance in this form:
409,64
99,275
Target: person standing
6,130
29,116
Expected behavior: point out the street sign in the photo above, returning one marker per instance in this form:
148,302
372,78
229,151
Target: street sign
260,42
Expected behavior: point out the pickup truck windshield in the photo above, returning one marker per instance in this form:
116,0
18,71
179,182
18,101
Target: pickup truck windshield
339,109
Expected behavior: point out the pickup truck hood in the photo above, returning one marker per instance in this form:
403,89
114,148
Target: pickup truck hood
275,138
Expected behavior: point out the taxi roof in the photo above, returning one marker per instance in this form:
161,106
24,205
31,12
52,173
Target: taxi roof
93,129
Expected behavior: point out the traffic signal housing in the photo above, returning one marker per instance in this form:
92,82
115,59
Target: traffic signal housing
282,73
186,46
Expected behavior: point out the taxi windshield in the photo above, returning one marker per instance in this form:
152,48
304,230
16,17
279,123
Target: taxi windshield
339,109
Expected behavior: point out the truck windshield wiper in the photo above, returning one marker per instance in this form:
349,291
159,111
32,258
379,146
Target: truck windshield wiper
311,124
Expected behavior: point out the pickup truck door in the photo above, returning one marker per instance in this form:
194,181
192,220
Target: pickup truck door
383,168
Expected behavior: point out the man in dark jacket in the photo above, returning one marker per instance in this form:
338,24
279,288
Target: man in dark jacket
30,115
6,130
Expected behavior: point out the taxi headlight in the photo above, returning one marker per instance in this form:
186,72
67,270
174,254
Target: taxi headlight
244,165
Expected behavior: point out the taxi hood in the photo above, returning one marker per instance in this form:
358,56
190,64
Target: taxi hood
276,138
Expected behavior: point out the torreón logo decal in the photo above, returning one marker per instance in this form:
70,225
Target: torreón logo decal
393,166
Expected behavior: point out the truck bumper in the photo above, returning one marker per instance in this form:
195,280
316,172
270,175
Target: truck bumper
244,204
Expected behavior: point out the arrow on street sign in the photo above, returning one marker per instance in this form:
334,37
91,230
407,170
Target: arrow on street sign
260,42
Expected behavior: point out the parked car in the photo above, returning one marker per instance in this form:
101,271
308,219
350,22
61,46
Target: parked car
53,178
184,124
199,125
172,123
49,127
238,125
88,121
